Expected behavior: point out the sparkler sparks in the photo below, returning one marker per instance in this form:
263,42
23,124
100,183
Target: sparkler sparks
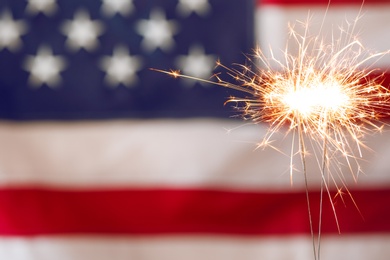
327,96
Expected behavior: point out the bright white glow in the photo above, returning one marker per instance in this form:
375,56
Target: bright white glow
320,98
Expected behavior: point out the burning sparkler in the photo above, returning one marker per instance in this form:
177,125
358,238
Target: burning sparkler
326,96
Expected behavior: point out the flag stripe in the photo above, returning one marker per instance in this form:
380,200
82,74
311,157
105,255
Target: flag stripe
28,211
366,25
80,247
167,153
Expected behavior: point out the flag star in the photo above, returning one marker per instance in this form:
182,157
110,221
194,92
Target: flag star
111,7
121,67
82,32
48,7
200,7
10,32
44,68
157,32
196,63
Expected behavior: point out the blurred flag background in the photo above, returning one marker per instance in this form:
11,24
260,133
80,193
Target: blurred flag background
102,158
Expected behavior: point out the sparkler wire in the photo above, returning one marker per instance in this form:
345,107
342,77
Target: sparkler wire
323,169
302,151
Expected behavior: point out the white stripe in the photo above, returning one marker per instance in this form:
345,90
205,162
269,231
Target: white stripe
372,29
367,247
162,152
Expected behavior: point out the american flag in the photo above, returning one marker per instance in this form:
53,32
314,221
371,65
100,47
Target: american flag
102,158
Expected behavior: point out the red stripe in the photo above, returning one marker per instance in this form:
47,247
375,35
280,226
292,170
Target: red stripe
26,211
320,2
